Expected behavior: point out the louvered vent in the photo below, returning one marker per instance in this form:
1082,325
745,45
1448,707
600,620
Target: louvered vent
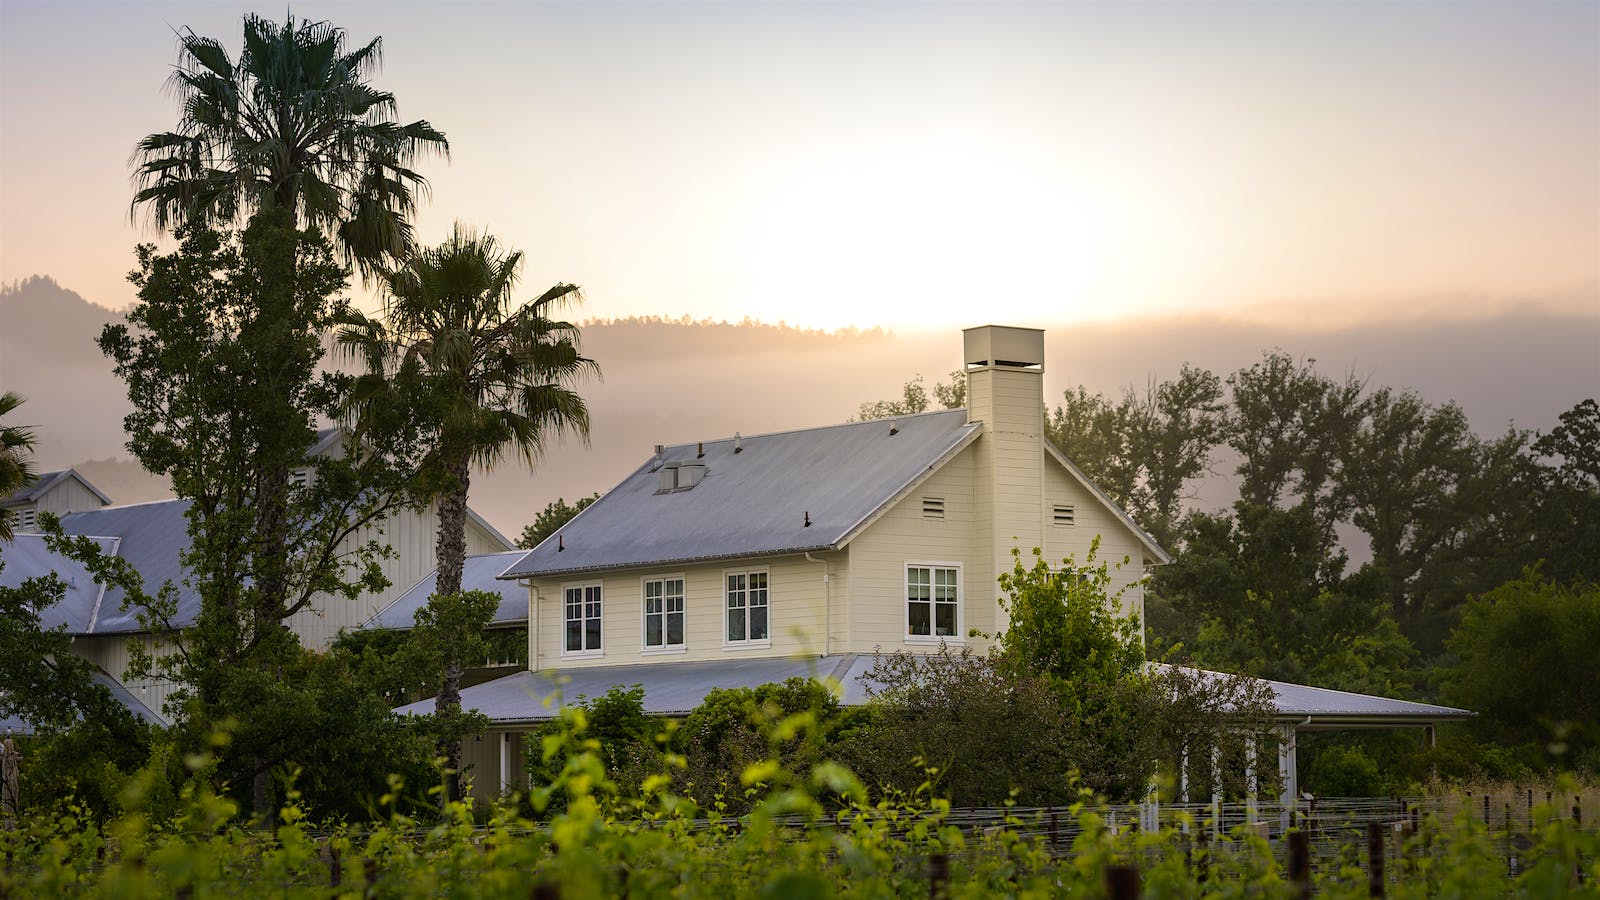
300,477
933,507
1063,515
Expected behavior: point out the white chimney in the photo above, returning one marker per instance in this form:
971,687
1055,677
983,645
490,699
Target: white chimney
1005,392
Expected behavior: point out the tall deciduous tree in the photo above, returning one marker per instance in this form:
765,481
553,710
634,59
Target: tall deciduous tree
481,374
291,138
16,457
292,129
224,393
555,514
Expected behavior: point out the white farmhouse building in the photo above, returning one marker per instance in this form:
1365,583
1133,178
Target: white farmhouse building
747,560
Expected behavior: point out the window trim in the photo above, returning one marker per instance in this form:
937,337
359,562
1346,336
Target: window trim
960,637
597,652
665,649
722,592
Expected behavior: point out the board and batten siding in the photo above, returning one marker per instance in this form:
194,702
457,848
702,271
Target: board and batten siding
68,496
413,534
110,653
795,609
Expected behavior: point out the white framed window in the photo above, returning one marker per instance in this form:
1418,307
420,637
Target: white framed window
583,606
663,613
745,612
933,602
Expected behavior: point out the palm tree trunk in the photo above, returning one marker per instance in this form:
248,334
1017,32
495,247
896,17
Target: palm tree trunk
452,552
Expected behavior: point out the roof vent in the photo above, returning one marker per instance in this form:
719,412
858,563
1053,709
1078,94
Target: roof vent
738,443
933,507
1063,514
700,450
894,427
680,476
655,464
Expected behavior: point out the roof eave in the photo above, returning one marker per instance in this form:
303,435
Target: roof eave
681,561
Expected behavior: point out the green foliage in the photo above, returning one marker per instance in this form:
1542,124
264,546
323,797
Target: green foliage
1066,626
1257,593
248,310
914,399
1566,516
16,463
1145,450
1528,666
814,834
554,515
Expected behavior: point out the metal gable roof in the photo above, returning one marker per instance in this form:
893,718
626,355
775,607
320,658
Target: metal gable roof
676,688
1329,707
47,480
478,573
26,556
756,499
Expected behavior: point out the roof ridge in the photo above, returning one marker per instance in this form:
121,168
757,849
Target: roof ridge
720,440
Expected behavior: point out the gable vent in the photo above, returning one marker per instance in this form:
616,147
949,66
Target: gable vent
933,507
1063,514
27,518
300,478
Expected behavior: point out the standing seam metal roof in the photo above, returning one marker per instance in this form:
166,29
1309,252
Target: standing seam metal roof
754,500
676,688
478,573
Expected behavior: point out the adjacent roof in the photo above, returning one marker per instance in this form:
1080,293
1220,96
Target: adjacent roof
670,689
676,688
151,537
756,499
14,725
478,573
1314,707
45,482
26,556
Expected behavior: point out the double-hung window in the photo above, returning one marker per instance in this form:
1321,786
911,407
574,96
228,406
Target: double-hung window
663,613
747,607
583,607
933,601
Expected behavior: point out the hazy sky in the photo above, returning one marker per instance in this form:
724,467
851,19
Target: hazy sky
914,166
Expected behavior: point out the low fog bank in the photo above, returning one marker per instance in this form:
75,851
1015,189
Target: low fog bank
674,381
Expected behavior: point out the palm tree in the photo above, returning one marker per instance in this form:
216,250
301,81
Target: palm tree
293,125
16,463
485,375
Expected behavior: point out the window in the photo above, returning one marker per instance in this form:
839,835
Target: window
1063,514
747,607
663,613
933,601
933,507
583,619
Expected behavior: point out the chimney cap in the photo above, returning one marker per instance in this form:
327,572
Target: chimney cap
1003,346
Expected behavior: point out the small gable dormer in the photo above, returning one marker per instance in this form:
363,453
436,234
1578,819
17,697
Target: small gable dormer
60,492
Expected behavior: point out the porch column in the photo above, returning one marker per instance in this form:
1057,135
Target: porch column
505,762
1288,775
1250,783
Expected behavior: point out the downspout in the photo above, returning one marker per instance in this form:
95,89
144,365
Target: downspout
827,606
533,623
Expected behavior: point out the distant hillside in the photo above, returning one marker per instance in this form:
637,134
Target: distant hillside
48,355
